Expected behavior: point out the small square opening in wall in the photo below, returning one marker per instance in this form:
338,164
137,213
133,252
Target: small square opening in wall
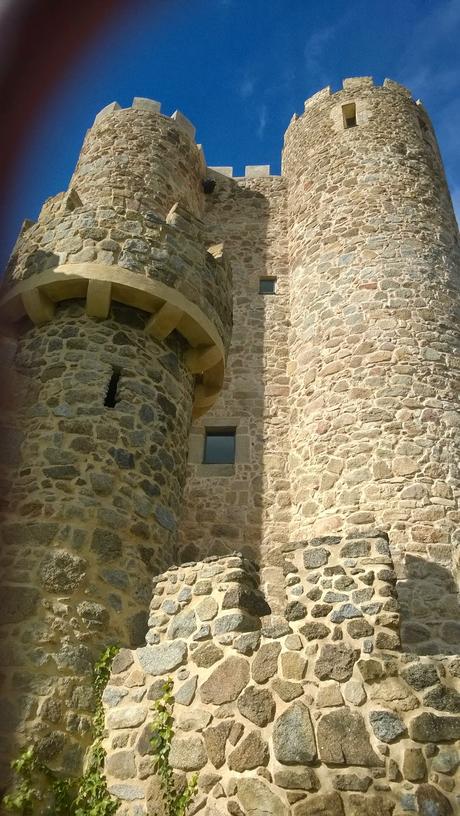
267,286
219,446
349,115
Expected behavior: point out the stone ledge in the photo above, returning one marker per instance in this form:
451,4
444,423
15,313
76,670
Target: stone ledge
37,297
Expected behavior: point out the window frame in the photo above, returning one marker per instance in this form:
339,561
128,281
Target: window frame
268,279
223,432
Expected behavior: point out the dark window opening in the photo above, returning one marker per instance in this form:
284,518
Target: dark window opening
112,388
349,115
219,446
267,286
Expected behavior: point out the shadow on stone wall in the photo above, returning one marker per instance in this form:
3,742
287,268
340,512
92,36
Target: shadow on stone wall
430,610
223,506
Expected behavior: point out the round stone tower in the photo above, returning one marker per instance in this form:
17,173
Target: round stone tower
121,313
374,259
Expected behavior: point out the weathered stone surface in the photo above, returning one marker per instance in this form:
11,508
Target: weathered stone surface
446,761
335,662
257,705
265,662
293,665
320,804
61,571
297,778
329,695
343,740
251,752
187,753
226,681
235,622
359,628
315,630
414,765
121,764
127,716
431,802
420,675
293,736
351,782
162,658
275,626
206,655
443,699
315,558
257,798
215,739
207,609
122,661
182,625
243,598
295,611
185,694
386,725
247,643
427,727
286,689
106,544
394,693
194,720
366,805
17,602
354,692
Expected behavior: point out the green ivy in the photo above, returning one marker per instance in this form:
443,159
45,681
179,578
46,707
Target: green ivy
40,789
176,801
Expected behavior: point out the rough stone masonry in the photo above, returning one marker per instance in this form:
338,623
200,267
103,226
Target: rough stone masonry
311,626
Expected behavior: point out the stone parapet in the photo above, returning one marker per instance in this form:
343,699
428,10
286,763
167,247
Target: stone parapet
164,266
314,711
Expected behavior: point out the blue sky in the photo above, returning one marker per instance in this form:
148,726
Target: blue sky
239,69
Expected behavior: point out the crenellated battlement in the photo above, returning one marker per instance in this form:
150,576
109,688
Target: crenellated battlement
150,106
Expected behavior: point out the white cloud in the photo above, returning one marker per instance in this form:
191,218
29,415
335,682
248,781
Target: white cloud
262,120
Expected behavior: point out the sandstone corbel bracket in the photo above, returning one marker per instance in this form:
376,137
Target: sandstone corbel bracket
99,284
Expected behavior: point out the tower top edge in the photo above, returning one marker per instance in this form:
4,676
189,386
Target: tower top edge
141,103
356,85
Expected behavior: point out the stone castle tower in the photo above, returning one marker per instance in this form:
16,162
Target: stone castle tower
300,468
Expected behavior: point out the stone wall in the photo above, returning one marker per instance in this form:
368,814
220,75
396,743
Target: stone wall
93,503
374,264
171,251
246,506
311,712
142,159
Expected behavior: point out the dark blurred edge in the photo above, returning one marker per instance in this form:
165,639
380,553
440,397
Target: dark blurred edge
39,42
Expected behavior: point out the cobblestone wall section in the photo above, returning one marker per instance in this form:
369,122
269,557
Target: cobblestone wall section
246,507
92,511
374,259
313,712
173,252
142,159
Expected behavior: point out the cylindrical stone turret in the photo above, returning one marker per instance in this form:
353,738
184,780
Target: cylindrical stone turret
98,435
375,337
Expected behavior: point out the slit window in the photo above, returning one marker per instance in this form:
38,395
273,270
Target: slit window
349,115
219,446
267,286
111,394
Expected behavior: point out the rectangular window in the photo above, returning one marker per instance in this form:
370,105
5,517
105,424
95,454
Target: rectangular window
267,286
219,446
349,115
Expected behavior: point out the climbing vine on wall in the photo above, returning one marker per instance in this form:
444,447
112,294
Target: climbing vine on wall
40,789
176,801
